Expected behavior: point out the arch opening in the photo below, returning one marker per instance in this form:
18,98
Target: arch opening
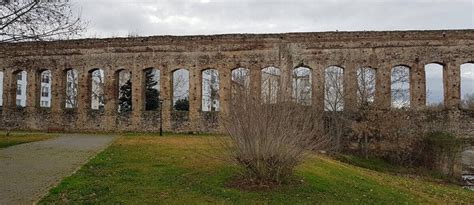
181,90
366,81
152,89
45,89
124,91
71,88
302,85
400,87
240,79
334,88
97,89
20,83
210,90
270,89
434,85
467,86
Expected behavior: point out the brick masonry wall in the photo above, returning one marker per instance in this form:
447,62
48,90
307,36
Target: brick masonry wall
349,50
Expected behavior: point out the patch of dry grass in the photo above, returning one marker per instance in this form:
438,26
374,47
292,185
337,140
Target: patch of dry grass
20,138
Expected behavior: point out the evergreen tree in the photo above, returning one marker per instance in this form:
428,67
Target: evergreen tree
152,94
125,100
182,105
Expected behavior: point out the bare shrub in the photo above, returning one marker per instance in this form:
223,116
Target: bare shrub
269,140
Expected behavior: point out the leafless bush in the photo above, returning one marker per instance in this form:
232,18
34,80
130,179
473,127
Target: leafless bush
269,140
392,134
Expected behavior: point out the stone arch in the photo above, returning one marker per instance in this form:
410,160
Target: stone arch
270,84
210,90
240,83
434,83
18,89
123,79
71,91
467,85
302,85
400,86
366,85
152,89
45,78
334,88
96,84
180,86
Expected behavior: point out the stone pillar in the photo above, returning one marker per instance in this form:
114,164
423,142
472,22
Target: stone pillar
8,92
138,96
350,87
84,86
452,85
194,98
318,87
256,82
111,98
58,95
383,82
225,79
33,88
58,90
166,85
417,86
286,66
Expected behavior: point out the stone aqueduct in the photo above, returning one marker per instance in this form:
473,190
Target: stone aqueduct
349,50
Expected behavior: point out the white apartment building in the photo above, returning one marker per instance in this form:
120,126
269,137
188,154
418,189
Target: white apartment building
45,90
21,79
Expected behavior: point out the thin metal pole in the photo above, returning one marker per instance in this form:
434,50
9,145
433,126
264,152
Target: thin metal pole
161,117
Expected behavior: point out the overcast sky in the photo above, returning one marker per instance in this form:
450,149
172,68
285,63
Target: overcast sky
179,17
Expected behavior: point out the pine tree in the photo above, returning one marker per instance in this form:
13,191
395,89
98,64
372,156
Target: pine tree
152,94
125,100
182,105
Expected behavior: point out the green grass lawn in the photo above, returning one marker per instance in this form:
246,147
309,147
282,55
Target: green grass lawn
176,170
20,138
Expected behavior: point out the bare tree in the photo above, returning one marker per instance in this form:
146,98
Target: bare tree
97,94
366,86
180,86
22,20
302,86
270,85
400,87
210,90
335,121
269,140
334,89
240,83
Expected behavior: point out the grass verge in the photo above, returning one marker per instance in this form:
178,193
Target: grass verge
173,170
20,138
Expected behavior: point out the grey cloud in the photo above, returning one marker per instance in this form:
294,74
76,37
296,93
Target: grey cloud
146,17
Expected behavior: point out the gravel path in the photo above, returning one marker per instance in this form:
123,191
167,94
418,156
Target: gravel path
28,171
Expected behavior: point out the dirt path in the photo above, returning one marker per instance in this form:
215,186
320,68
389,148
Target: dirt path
28,171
